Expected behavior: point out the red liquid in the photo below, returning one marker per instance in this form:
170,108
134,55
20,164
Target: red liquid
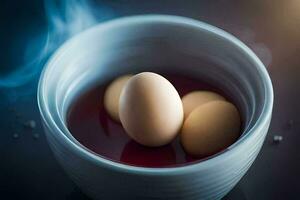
93,128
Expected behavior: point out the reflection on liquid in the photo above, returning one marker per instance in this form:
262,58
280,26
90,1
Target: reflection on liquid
147,156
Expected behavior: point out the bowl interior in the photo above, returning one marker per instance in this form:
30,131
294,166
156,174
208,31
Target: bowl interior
153,43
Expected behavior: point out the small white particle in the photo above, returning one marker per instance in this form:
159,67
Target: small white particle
277,138
30,124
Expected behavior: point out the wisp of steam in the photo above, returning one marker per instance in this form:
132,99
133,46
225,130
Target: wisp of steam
65,18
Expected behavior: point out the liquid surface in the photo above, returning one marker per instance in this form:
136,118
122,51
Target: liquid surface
89,123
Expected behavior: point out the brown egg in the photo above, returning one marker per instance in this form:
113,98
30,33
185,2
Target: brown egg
210,128
150,109
196,98
112,95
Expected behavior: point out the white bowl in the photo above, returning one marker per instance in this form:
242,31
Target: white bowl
151,43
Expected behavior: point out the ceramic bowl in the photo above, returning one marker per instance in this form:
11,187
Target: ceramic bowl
151,43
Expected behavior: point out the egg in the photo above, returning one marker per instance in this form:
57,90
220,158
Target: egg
210,128
112,95
196,98
150,109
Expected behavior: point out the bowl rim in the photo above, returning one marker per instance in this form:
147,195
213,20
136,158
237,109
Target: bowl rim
262,120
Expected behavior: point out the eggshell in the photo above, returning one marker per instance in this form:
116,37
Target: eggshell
210,128
196,98
150,109
112,95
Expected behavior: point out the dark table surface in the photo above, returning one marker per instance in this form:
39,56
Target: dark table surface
271,28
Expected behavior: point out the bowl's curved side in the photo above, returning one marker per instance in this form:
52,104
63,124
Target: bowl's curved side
207,183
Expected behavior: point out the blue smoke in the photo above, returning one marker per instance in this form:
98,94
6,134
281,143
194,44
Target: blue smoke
65,18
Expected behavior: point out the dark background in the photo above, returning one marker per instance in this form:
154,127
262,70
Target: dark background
271,28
